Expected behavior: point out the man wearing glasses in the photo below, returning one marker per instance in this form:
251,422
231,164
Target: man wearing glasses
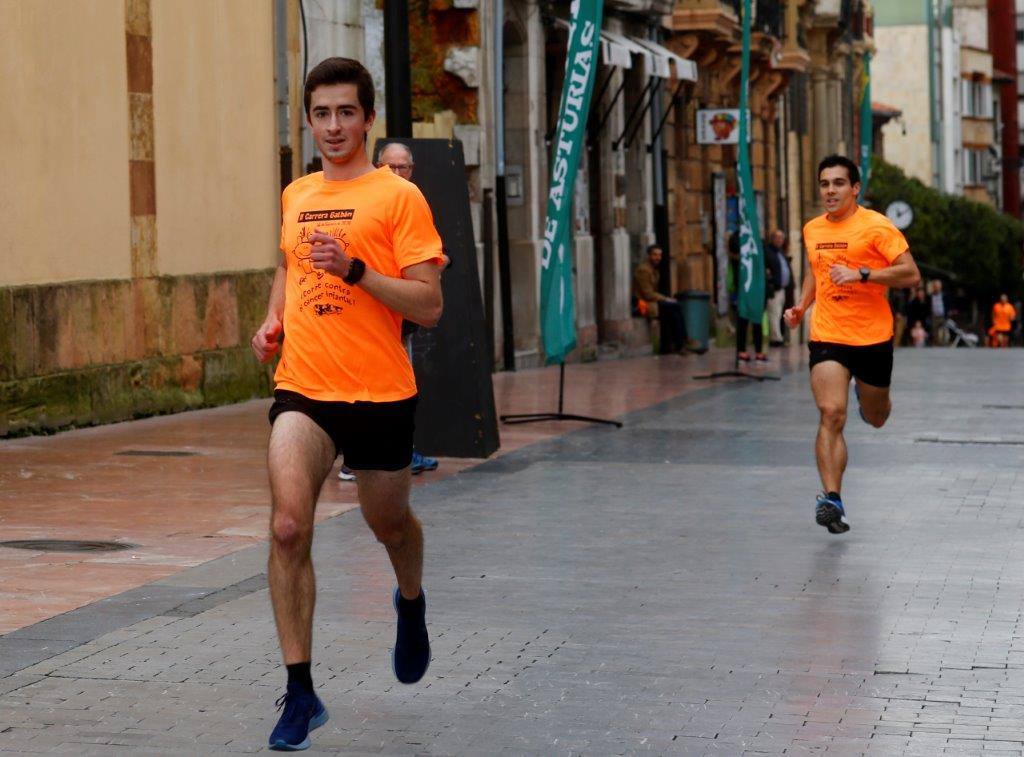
398,158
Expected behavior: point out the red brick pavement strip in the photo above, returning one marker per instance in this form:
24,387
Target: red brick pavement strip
184,511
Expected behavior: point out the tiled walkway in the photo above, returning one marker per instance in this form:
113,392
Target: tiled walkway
105,483
660,588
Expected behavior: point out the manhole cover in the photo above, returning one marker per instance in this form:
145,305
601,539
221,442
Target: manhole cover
156,453
66,545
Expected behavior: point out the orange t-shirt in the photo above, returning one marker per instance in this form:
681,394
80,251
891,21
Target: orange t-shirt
855,314
1002,315
340,343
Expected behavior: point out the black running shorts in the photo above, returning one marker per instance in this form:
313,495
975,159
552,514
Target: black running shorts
370,435
872,363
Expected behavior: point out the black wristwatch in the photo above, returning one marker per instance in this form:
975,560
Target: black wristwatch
864,273
356,269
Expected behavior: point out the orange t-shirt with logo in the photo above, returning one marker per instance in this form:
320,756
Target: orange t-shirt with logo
341,344
1002,316
856,314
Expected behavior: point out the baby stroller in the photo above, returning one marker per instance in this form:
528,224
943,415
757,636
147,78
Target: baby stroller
960,336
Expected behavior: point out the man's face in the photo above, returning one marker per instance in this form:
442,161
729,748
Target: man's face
838,195
778,238
398,159
1004,299
919,293
338,123
655,256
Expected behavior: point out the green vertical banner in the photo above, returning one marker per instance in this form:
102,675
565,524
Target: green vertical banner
866,130
557,309
750,298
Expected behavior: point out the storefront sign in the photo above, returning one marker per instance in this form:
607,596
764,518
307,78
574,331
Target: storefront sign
719,127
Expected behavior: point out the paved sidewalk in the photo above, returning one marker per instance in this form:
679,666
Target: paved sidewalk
661,588
191,487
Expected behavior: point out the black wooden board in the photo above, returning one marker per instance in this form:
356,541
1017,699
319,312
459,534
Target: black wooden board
456,415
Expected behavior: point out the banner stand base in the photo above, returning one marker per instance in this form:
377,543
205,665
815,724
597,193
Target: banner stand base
737,373
557,416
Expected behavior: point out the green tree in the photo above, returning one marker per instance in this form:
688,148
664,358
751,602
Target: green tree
979,245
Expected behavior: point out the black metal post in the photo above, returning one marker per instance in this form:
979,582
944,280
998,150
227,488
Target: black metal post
488,240
397,84
505,274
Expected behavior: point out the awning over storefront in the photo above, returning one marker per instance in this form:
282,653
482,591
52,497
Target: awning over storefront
685,69
618,50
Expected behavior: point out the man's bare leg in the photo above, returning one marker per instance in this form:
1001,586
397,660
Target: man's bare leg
299,459
830,383
384,500
875,404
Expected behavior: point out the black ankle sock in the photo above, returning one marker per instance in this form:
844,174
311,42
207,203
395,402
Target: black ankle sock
417,605
299,673
834,495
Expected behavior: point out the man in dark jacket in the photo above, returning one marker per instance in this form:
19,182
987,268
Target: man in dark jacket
666,309
778,278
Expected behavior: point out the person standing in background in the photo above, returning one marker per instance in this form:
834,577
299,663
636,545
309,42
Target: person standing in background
779,280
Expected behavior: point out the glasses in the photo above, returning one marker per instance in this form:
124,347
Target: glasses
397,166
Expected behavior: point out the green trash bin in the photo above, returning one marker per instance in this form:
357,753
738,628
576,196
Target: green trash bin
697,315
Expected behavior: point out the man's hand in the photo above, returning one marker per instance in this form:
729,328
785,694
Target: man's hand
841,274
327,254
267,340
793,316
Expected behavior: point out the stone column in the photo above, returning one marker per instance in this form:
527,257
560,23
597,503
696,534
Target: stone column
142,174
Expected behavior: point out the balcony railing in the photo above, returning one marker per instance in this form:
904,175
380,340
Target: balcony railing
769,15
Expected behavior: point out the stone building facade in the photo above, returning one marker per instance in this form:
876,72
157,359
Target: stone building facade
142,220
805,83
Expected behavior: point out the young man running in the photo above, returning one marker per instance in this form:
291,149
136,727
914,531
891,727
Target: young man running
855,254
360,254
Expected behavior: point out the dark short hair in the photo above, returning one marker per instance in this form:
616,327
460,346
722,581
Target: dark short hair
652,247
841,160
341,71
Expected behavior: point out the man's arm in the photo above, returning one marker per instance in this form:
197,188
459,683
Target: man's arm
902,273
267,340
416,296
795,314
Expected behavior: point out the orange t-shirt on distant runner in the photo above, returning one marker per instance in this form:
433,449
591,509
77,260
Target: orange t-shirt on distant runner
855,314
340,343
1002,316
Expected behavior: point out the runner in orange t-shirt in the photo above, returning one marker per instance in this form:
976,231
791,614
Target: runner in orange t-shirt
360,253
854,255
1003,316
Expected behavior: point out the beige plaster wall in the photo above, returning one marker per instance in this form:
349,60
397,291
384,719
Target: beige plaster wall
975,62
899,77
217,176
977,131
64,127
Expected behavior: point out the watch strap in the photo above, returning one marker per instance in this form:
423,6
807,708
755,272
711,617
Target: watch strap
356,269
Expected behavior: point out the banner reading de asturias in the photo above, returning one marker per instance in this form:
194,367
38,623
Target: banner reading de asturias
750,298
557,309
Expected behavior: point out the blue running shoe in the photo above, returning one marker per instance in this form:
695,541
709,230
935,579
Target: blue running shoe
422,463
411,655
303,712
830,513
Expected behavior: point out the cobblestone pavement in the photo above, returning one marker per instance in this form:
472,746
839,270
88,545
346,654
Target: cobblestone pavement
657,589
